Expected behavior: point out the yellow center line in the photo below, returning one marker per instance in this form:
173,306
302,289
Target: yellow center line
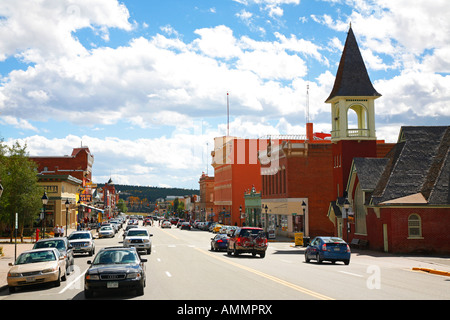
267,276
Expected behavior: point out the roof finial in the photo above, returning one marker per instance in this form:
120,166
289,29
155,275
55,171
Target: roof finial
350,25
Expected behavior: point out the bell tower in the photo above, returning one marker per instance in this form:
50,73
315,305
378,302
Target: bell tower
352,103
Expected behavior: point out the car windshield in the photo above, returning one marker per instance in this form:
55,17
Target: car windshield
59,244
137,233
34,257
76,236
116,257
105,228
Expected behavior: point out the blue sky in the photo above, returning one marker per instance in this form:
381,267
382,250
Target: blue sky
143,84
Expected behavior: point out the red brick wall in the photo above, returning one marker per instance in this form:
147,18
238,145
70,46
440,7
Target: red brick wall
435,233
311,177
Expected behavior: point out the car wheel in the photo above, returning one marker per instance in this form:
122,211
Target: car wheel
149,251
262,254
318,258
228,251
88,294
140,291
64,276
347,262
58,281
12,289
307,260
236,253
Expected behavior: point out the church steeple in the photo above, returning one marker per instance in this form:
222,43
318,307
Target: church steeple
353,95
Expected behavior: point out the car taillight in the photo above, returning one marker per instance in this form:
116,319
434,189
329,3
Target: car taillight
324,247
220,240
348,248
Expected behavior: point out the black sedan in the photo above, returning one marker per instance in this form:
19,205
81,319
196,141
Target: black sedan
185,225
219,242
115,268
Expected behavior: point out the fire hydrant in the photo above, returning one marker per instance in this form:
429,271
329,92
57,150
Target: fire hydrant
37,235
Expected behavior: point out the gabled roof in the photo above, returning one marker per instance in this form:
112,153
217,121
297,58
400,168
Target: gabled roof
369,171
352,78
419,163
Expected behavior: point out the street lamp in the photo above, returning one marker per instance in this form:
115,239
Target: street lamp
44,202
67,211
304,216
346,206
240,214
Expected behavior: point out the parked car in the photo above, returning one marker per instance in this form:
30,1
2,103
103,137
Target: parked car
180,221
219,242
217,228
106,232
82,242
328,248
166,224
64,248
248,240
115,268
138,238
37,266
185,225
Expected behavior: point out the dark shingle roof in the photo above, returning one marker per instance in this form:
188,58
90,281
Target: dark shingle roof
352,78
369,171
419,163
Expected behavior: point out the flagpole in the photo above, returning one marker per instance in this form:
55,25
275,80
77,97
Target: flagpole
228,115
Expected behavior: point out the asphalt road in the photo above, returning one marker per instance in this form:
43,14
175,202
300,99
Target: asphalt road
182,267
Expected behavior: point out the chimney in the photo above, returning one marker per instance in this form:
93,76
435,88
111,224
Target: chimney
309,132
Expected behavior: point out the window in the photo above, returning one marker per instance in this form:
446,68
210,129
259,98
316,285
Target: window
414,226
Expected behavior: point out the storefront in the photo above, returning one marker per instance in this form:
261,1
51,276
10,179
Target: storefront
285,216
253,209
59,189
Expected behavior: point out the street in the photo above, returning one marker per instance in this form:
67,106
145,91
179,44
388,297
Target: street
182,267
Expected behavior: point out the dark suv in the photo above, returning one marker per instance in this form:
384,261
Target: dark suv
248,240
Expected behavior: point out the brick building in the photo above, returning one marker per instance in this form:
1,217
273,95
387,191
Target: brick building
401,203
296,187
236,169
206,204
66,178
78,164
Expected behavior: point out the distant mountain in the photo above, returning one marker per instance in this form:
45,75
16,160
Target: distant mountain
151,193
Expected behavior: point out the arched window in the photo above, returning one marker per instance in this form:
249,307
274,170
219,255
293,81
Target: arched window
357,120
414,226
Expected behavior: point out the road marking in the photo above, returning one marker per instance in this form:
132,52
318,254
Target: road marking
72,282
268,276
168,274
352,274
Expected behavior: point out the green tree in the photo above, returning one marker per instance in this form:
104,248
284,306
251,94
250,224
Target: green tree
21,190
122,206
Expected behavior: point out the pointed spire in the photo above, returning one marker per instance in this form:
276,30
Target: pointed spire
352,78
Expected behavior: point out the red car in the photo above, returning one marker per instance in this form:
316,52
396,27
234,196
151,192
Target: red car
248,240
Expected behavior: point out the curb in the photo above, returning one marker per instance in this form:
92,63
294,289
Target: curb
433,271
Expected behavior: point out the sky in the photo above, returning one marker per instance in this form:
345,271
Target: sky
144,83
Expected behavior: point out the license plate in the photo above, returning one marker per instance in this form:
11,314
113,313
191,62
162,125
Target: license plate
112,284
337,249
30,279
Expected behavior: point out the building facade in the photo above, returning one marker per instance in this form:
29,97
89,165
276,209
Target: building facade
236,168
401,203
206,204
296,186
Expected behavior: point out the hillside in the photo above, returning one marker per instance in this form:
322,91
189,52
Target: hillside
151,193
